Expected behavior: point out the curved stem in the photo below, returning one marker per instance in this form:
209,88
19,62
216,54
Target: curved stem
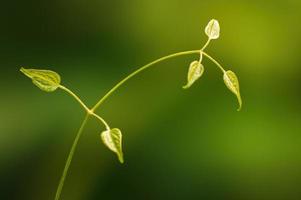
76,97
89,112
69,159
149,65
203,48
205,45
214,61
101,119
138,71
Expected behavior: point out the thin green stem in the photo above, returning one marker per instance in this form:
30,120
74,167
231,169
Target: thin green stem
214,61
149,65
101,119
76,97
74,145
138,71
90,112
203,48
205,45
69,159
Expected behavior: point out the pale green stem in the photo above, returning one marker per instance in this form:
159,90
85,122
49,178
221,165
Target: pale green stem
149,65
214,61
76,97
203,48
74,145
101,119
69,159
84,106
138,71
205,45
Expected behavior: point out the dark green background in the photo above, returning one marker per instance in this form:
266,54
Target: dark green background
178,144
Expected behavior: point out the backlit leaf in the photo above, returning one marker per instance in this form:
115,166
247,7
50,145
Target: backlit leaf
113,140
232,83
46,80
195,71
212,29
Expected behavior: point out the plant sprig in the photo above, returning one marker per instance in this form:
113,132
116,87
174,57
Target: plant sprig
50,81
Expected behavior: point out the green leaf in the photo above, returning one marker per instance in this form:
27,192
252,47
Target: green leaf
232,83
46,80
196,69
113,140
212,29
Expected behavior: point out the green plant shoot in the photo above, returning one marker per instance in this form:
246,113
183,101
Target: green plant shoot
49,81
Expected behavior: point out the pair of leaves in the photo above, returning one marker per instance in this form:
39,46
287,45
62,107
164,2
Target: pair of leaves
46,80
113,140
196,70
49,81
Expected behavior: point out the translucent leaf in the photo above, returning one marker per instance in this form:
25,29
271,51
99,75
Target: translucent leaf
195,71
212,29
113,140
46,80
232,83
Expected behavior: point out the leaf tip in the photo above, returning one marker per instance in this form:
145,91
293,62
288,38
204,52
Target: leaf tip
121,159
23,70
185,86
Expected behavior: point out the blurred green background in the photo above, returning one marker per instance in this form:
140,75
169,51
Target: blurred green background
178,144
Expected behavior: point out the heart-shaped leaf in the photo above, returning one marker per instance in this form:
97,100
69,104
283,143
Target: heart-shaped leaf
113,140
195,71
232,83
212,29
46,80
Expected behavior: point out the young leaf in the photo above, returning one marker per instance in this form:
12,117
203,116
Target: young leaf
196,69
113,140
212,29
232,83
46,80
